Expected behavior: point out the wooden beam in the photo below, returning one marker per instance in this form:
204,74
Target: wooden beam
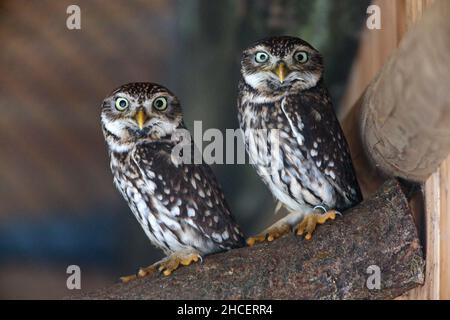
379,232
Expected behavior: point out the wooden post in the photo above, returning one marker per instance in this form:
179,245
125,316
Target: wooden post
407,99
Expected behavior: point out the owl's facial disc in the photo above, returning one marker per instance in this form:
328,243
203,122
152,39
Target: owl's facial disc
139,111
281,64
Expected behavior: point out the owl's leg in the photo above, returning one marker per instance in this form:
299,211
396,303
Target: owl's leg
279,228
319,215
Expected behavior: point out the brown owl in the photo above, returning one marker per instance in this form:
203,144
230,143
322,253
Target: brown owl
282,90
180,206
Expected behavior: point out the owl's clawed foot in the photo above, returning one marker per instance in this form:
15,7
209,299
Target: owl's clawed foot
270,234
143,272
309,223
175,260
126,279
167,265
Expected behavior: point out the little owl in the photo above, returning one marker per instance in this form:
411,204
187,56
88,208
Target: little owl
180,206
282,93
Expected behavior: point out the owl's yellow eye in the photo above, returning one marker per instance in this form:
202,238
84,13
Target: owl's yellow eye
261,57
160,104
301,56
121,104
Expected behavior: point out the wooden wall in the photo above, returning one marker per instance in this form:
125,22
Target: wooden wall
376,46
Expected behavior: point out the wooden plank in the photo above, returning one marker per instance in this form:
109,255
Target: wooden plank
430,289
444,177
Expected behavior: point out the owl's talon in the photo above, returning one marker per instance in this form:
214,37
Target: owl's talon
126,279
173,262
272,233
310,222
166,266
253,240
142,272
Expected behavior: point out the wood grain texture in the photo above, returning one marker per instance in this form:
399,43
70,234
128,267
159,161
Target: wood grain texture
444,259
380,231
433,242
376,46
406,109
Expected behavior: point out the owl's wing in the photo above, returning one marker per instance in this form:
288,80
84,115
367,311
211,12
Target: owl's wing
324,142
190,193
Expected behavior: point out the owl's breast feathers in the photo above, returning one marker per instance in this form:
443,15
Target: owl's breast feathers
178,205
316,164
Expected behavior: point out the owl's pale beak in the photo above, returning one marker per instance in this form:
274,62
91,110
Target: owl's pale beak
281,71
141,117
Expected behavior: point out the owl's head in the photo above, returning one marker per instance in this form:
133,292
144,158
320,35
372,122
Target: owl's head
283,63
139,111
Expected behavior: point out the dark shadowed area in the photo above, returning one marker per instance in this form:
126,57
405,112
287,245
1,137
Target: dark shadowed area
58,206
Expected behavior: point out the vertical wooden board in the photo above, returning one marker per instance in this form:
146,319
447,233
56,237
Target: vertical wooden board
430,289
444,177
374,50
414,10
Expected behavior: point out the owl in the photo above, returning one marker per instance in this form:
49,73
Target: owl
179,204
292,135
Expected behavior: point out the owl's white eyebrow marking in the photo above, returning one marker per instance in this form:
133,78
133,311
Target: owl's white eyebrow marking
129,97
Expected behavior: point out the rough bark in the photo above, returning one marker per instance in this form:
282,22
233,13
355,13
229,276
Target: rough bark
333,265
405,112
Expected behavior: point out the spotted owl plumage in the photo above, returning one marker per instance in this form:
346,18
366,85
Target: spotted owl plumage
282,89
180,206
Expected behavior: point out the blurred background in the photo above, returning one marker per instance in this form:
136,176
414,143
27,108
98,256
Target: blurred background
58,205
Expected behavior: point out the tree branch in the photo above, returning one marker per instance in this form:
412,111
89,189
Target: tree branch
333,265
